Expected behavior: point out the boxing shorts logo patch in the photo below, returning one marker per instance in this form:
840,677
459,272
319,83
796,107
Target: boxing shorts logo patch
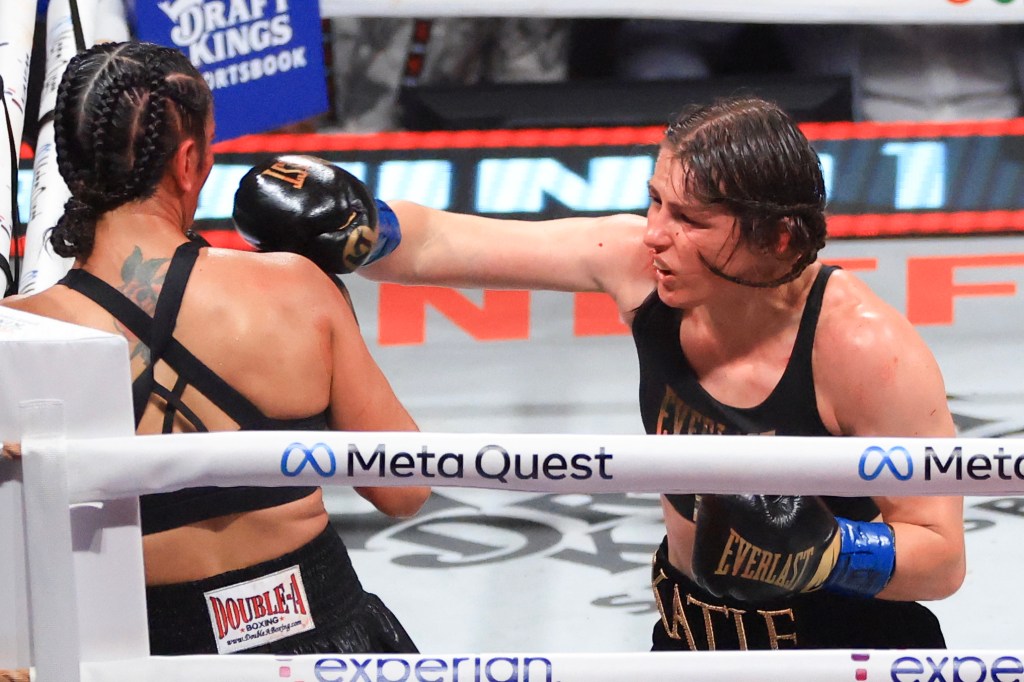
259,611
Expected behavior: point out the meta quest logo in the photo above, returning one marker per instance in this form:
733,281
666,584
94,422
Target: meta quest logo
494,462
491,462
898,463
896,460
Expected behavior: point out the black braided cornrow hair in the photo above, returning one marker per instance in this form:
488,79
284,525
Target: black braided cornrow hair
749,156
122,109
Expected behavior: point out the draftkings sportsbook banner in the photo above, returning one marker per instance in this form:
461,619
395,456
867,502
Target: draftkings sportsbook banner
254,55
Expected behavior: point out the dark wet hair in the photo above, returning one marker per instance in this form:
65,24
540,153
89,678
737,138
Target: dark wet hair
122,110
749,156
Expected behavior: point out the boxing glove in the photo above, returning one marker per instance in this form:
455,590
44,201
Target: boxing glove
757,548
306,205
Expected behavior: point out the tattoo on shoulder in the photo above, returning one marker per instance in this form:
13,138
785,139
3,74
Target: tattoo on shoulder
142,279
141,283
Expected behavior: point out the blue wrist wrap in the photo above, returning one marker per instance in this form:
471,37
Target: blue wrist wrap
389,233
867,558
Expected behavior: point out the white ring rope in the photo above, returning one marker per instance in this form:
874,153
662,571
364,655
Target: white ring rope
111,468
700,666
107,468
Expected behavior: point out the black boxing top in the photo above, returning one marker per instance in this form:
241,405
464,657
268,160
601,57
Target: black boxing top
672,401
164,511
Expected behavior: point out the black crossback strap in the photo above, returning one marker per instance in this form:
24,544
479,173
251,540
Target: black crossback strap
164,320
157,334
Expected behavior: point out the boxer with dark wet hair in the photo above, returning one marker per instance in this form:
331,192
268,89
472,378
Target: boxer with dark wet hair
740,330
220,340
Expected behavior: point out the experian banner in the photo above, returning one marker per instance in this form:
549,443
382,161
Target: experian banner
739,666
255,55
775,11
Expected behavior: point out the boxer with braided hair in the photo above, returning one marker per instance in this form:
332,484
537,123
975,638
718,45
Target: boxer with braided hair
739,330
110,154
220,340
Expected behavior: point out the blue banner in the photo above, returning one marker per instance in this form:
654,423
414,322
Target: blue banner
263,59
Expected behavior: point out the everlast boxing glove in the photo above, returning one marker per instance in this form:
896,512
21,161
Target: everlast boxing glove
305,205
757,548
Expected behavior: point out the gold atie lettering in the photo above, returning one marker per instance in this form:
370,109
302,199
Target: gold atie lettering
677,625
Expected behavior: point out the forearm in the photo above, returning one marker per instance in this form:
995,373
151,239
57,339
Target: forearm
426,252
930,563
461,250
396,502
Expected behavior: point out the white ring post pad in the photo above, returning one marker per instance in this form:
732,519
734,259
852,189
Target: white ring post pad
53,362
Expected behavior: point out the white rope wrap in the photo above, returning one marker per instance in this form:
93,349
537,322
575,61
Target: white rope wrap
701,666
15,52
41,266
111,468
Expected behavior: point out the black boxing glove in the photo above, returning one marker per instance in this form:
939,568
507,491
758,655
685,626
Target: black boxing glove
306,205
757,548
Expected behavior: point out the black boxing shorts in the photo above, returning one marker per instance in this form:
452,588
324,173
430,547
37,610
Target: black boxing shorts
695,620
305,602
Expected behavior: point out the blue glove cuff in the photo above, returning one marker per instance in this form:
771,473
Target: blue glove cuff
867,558
389,233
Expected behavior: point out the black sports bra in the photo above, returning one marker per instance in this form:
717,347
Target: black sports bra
164,511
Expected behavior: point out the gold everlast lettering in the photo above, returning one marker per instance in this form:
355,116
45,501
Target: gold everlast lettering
676,416
768,563
293,175
743,549
742,558
727,551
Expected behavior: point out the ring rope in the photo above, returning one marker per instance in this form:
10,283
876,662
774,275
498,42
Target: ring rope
556,463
